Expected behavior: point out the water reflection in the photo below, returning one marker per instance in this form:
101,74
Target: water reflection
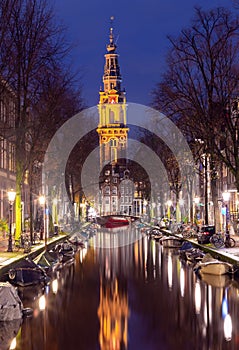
113,313
116,237
138,296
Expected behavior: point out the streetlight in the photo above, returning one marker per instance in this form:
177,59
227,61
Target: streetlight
11,198
145,203
181,203
169,204
196,201
226,197
42,201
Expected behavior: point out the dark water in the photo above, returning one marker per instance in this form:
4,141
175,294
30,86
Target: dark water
138,296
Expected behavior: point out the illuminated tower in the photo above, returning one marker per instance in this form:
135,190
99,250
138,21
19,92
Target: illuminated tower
112,131
112,128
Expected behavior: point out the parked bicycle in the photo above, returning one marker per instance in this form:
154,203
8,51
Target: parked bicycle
36,237
24,242
188,230
219,241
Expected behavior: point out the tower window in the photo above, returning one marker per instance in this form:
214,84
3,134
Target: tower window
112,115
106,190
113,143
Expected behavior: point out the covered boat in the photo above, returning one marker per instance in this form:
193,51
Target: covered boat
155,234
26,273
209,265
66,252
8,332
186,247
10,304
76,239
195,255
171,242
49,261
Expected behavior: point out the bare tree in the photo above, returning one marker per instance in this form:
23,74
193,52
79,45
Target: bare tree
58,101
33,45
201,78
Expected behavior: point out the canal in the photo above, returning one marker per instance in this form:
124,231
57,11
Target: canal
123,293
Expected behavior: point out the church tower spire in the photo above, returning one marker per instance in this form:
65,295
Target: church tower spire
112,77
112,128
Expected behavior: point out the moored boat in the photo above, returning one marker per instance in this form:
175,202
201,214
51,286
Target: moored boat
157,237
76,240
49,261
209,265
195,255
11,305
171,242
116,221
220,281
26,273
186,247
65,251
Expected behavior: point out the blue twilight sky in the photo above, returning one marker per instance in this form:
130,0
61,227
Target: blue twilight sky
141,26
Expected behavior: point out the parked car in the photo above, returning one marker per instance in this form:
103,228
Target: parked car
205,233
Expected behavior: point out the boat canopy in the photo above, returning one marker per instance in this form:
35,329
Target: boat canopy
10,303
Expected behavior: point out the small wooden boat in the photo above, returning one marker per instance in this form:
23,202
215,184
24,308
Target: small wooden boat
76,240
26,273
49,261
116,221
186,247
157,237
209,265
220,281
66,252
195,255
171,242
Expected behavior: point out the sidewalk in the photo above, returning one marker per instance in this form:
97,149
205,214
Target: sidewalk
230,254
226,254
8,258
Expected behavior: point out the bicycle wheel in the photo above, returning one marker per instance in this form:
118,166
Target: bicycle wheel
187,234
217,241
17,244
231,243
27,246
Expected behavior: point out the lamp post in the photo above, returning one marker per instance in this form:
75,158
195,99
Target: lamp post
196,201
169,204
42,201
11,198
181,208
145,203
226,196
